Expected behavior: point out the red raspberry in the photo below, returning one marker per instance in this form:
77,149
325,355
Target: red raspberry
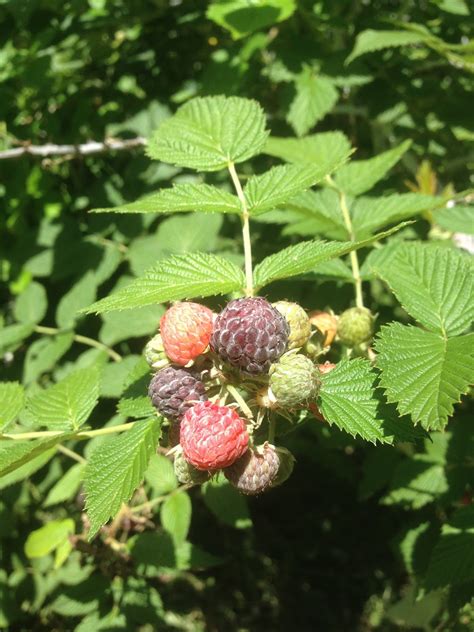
212,436
186,331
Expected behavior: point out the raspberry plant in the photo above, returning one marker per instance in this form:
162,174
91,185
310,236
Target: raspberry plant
222,388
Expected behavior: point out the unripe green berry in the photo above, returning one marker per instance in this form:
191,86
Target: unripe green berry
355,326
186,473
297,318
155,354
294,380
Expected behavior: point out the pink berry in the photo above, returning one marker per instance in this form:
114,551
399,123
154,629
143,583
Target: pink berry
212,436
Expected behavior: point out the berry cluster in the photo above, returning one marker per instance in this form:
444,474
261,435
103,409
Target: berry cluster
258,358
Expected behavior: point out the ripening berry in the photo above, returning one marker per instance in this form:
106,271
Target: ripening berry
155,353
173,391
212,436
186,331
250,334
287,463
255,471
298,320
355,326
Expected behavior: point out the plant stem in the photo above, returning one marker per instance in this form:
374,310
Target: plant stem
85,434
85,340
245,230
353,255
71,454
240,400
159,499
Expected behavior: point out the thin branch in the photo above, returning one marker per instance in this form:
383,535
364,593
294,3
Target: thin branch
83,149
245,229
82,434
71,454
350,231
85,340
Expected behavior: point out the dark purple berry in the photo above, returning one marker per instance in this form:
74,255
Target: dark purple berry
250,334
173,391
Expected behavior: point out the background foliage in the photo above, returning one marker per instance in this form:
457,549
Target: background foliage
361,537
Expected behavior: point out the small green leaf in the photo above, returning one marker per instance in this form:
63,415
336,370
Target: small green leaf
452,560
305,256
202,198
11,337
46,539
226,503
176,278
160,475
369,41
277,186
11,402
79,296
176,516
31,305
23,472
423,373
416,482
67,486
135,402
360,176
315,97
435,287
115,469
207,133
68,404
241,17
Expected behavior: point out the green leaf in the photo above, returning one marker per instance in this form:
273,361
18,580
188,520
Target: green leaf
203,198
176,516
315,97
31,305
26,470
417,482
317,149
46,539
436,288
135,401
458,219
68,404
316,213
160,475
118,326
277,186
43,355
369,41
176,278
67,486
348,400
115,469
226,503
11,402
305,256
241,17
15,453
360,176
11,337
452,560
423,373
369,214
79,296
207,133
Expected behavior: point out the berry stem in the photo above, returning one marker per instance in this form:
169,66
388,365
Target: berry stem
240,401
85,434
85,340
71,454
350,230
245,229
